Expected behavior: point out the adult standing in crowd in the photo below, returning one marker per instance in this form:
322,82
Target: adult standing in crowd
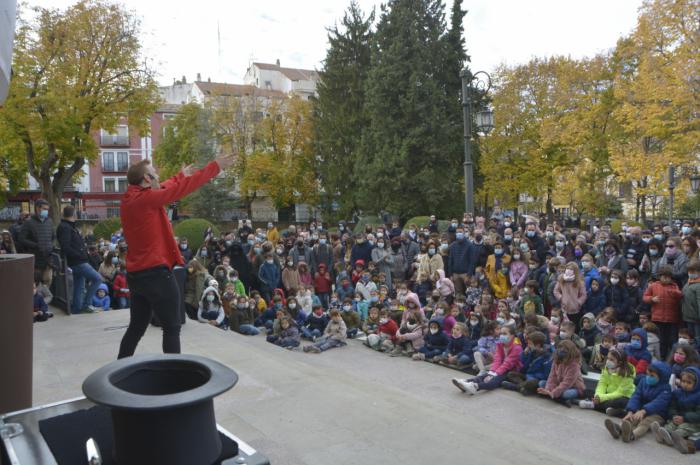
37,238
16,228
74,249
153,251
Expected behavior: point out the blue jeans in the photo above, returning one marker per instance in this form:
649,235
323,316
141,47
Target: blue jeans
566,395
248,330
310,333
81,273
328,343
429,353
493,383
123,302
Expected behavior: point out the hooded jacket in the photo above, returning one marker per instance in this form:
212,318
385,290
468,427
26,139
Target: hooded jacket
503,361
103,302
437,341
459,346
595,301
565,376
444,285
667,310
616,296
536,364
687,403
639,358
653,399
413,335
206,306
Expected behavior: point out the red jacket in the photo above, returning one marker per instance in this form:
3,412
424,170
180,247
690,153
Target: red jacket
389,328
147,230
668,309
322,282
119,284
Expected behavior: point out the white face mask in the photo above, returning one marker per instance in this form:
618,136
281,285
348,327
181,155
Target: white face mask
614,280
383,321
292,305
473,322
210,298
434,330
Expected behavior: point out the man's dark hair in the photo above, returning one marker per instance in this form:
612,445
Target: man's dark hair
68,211
137,171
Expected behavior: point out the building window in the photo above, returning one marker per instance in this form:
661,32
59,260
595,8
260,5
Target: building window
118,184
115,161
112,212
167,123
122,161
107,161
120,136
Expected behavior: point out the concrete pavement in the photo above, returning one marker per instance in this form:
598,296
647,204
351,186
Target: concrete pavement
349,405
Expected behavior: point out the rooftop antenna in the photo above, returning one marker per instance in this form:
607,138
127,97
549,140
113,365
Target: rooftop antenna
218,40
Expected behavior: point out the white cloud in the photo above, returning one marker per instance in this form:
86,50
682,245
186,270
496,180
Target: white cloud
183,37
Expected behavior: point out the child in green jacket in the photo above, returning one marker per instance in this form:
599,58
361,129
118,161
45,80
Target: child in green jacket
615,387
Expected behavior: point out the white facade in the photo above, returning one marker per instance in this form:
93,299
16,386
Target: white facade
7,32
288,80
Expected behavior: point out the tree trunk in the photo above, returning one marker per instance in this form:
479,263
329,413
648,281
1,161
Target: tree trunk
643,209
636,212
550,208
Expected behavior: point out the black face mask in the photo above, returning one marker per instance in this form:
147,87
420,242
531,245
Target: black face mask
395,247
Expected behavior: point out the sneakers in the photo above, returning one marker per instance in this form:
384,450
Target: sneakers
418,356
662,435
313,349
614,412
465,386
626,434
395,353
586,404
613,428
681,444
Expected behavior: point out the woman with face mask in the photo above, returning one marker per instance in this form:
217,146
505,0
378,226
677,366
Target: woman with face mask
211,310
383,259
676,259
195,283
430,261
612,259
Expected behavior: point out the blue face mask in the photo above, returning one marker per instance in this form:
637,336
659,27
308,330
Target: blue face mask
498,252
530,233
652,380
503,339
636,344
460,236
43,214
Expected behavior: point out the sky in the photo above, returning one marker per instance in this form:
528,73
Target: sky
219,38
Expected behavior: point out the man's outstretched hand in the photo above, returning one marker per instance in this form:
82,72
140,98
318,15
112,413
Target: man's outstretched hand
189,170
225,161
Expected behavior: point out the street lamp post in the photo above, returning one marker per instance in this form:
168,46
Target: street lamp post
480,81
671,194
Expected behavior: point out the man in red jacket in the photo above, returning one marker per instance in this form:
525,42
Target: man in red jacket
152,248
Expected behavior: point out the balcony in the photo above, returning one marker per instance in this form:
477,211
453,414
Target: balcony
118,138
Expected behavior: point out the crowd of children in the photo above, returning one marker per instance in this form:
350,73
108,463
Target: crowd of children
530,307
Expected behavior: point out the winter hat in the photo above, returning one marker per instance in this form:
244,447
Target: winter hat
589,316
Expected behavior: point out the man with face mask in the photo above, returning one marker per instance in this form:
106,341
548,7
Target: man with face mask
37,238
461,261
362,250
153,252
634,248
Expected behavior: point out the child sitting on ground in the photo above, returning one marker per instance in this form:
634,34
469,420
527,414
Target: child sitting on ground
434,342
648,404
506,359
567,333
289,334
637,353
682,357
371,324
622,335
600,353
684,414
459,349
531,300
40,309
333,336
589,334
242,316
486,347
615,387
315,324
565,382
409,338
595,300
211,310
536,361
384,339
352,321
101,299
556,318
604,322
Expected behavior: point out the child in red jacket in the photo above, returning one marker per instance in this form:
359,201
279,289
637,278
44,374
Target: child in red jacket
121,288
323,285
665,298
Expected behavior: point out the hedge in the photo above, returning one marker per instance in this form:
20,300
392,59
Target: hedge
616,225
105,228
193,229
422,221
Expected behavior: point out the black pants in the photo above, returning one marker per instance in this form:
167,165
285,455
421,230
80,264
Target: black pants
154,290
619,403
668,335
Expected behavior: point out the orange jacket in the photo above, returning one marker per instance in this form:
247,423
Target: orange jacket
668,308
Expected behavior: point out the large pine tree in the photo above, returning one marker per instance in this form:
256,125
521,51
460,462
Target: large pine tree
411,157
339,116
